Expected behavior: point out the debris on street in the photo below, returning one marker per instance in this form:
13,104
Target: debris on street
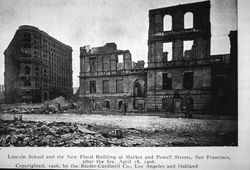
100,131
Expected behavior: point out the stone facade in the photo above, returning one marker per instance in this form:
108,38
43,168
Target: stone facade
187,71
181,74
109,80
37,67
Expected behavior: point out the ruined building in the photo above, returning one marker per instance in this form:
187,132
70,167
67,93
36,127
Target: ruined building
37,67
181,72
177,75
109,78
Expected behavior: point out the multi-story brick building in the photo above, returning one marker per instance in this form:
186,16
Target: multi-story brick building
37,67
181,72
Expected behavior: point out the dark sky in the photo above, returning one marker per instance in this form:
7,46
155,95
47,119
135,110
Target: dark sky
96,22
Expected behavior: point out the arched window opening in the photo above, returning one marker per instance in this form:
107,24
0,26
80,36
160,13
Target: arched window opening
26,70
139,88
188,20
167,23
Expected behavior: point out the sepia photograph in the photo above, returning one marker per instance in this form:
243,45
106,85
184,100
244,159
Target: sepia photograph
118,73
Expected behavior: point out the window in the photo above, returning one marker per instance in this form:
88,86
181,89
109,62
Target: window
92,64
105,86
106,63
188,80
188,20
26,37
166,81
188,49
120,58
92,86
37,71
26,70
167,51
119,86
167,22
27,82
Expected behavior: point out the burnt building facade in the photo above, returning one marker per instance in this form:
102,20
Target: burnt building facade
181,73
109,79
37,67
177,74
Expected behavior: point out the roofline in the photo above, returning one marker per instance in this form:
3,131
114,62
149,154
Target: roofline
35,29
178,6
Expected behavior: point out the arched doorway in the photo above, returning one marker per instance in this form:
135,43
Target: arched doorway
120,103
106,104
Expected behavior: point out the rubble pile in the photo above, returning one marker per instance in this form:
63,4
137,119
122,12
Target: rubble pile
59,103
22,108
60,130
56,105
20,133
55,134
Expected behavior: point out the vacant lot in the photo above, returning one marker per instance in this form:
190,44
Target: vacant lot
101,130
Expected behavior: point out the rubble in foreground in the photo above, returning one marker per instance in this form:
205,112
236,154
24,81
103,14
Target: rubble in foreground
18,133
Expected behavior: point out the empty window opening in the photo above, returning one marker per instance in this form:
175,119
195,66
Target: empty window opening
105,86
167,23
188,49
26,70
167,51
167,81
188,20
92,87
188,80
120,58
120,64
92,64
